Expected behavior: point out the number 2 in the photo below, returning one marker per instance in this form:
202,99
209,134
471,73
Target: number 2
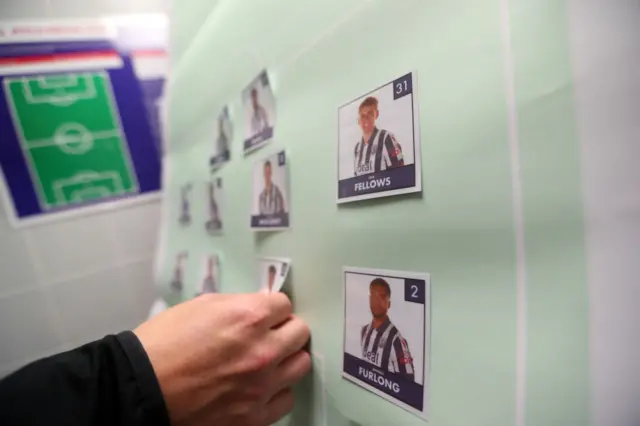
414,291
400,88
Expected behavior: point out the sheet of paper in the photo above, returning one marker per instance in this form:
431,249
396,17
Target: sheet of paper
386,335
259,109
215,206
272,273
223,139
209,275
379,143
179,267
271,200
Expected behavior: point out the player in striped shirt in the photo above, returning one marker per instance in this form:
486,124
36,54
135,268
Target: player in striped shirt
176,282
185,215
223,140
209,284
271,200
259,119
382,343
378,149
214,222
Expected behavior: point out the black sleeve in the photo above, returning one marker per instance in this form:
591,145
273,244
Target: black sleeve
107,382
394,151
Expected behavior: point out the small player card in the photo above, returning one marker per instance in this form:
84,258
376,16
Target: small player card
386,335
379,143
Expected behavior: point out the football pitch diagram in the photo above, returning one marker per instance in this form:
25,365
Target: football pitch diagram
71,137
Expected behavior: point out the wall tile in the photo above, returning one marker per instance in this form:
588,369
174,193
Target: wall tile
139,278
91,306
17,272
4,221
74,248
137,231
27,326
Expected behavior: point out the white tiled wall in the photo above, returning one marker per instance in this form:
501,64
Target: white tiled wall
70,282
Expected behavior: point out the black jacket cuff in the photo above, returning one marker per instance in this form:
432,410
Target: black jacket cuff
153,410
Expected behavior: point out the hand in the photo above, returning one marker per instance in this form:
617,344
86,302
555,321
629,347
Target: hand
227,359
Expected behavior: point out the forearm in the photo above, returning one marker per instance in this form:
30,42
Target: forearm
107,382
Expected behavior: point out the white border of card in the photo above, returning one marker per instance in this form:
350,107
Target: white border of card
271,210
213,285
397,159
258,125
280,276
223,139
408,387
215,206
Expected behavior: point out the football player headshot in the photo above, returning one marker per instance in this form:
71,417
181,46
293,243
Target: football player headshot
209,284
214,212
378,149
382,344
271,200
259,119
176,282
223,139
271,277
185,215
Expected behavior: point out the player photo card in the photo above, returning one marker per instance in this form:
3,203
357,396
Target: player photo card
185,204
210,275
270,209
214,190
177,280
223,138
386,336
272,273
259,113
379,143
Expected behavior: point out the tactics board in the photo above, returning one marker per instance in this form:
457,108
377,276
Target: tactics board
71,136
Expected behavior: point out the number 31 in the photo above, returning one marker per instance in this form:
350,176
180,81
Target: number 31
403,86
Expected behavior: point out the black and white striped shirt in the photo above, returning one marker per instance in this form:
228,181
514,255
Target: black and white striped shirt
381,152
385,348
271,201
259,120
223,143
209,285
214,212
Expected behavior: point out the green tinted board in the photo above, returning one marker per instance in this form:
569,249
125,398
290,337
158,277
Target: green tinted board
498,225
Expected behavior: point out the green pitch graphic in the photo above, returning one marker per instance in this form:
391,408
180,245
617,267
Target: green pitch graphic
71,137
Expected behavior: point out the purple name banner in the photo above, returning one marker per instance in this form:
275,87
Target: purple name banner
388,180
393,385
259,138
270,221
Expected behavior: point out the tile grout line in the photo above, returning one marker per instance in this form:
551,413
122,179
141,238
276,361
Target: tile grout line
518,216
40,282
122,262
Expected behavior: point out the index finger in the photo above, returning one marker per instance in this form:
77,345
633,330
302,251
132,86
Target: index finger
280,309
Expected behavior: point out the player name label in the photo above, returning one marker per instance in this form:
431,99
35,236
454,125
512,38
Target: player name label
259,138
275,221
402,389
402,177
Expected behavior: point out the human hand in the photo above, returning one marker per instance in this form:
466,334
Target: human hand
227,359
